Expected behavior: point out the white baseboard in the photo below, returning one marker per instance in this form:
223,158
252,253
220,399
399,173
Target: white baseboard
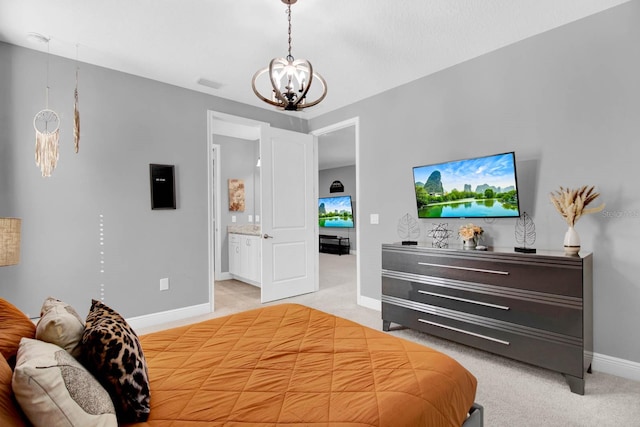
224,276
154,319
615,366
372,303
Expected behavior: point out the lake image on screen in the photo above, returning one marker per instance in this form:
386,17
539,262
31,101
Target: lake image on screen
480,187
336,222
335,212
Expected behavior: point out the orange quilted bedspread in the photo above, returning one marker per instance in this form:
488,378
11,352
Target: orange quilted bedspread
292,365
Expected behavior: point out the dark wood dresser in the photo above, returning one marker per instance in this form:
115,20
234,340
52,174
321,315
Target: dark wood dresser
535,308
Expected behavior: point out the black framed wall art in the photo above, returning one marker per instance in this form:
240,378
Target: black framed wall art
163,189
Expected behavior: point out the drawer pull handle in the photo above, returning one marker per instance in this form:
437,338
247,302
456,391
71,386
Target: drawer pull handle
464,332
479,270
486,304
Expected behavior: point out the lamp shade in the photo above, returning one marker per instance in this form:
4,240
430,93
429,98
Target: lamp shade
9,241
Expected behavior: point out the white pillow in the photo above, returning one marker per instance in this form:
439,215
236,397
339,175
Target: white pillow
61,325
53,389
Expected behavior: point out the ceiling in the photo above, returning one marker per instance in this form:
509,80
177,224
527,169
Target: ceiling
360,47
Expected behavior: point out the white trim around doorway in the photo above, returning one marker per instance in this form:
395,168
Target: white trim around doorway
355,121
226,125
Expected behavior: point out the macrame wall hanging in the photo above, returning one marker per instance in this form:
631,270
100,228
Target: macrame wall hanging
76,112
47,125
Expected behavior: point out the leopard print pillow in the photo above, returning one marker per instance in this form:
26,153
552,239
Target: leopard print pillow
111,351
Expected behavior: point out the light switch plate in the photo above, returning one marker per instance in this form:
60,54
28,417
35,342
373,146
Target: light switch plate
374,218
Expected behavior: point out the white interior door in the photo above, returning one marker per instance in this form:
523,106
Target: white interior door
288,214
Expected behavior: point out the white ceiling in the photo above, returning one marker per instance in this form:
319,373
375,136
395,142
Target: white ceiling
361,47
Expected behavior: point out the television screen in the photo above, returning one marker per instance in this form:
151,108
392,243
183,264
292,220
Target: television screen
335,212
481,187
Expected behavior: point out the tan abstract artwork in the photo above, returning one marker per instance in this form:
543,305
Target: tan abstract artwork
236,195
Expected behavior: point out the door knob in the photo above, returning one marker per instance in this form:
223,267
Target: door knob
266,236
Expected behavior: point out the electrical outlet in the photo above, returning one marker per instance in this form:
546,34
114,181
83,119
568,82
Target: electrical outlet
233,218
250,217
164,284
374,219
257,218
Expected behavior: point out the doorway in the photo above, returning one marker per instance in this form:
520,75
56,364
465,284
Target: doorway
285,235
338,150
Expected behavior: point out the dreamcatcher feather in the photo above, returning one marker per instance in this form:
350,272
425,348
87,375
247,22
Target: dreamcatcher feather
76,116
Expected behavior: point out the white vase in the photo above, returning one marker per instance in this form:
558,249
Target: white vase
469,244
571,241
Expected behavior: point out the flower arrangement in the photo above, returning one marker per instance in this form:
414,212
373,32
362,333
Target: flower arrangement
469,232
572,203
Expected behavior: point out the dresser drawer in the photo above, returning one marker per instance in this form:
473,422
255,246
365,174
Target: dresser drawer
558,314
546,275
529,345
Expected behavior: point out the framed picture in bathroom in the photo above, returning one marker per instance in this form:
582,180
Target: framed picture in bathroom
236,195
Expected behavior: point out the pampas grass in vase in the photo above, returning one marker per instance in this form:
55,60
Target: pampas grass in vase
572,204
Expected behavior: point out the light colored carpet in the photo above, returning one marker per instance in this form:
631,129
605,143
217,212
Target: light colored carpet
512,393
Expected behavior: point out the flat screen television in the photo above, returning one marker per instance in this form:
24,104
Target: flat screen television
480,187
335,212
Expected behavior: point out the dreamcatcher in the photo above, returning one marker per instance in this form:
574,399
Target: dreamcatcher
47,125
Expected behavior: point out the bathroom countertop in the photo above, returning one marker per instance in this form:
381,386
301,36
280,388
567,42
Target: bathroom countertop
249,229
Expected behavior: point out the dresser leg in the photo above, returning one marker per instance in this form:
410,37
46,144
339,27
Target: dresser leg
386,325
575,384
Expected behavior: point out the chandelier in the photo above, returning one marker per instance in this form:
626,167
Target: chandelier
290,79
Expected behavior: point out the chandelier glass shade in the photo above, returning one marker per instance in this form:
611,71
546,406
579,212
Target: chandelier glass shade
290,79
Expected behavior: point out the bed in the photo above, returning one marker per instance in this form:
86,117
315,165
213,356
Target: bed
292,365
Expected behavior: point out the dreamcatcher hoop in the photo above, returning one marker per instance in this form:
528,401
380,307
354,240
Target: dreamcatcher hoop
46,121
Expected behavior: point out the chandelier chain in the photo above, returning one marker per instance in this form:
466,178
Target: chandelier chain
289,19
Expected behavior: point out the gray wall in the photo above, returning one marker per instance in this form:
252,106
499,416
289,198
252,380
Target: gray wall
567,102
346,175
127,122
